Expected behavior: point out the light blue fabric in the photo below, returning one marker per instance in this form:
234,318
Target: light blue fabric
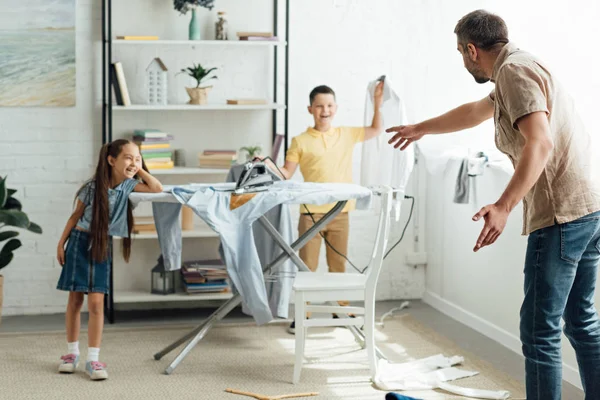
211,203
117,206
280,281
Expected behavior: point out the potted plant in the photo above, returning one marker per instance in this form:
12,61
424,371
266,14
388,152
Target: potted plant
183,6
11,215
251,151
198,95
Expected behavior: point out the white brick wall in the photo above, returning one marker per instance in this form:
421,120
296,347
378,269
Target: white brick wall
47,153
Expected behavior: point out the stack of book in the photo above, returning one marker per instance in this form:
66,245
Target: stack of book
143,224
204,276
217,158
257,36
155,147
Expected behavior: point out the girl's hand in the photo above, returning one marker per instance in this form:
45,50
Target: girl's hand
60,254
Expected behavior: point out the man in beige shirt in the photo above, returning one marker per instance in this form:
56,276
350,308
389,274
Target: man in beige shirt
538,129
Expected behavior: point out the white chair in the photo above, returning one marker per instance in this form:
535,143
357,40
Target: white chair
314,287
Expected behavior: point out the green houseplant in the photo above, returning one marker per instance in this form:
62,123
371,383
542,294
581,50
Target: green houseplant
251,151
11,216
198,95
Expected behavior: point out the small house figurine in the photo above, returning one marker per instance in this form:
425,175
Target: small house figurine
156,81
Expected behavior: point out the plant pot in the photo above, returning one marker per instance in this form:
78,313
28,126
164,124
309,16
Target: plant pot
1,295
198,95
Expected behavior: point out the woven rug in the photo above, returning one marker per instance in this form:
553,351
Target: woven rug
242,356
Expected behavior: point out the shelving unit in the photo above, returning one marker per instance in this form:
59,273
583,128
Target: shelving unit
238,43
146,244
189,171
207,107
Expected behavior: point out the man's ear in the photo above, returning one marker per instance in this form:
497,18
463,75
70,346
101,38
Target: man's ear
472,52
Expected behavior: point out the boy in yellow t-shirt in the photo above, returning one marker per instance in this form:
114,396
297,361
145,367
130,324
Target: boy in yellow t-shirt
324,154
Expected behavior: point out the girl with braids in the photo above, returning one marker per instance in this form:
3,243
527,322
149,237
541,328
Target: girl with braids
102,211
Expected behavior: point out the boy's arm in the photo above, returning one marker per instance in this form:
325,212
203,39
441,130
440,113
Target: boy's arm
287,171
376,126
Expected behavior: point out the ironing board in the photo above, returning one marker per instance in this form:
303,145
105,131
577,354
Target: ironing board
289,253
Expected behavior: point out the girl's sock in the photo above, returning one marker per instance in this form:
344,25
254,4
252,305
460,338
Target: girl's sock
93,354
73,348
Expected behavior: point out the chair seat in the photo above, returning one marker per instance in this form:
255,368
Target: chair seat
329,281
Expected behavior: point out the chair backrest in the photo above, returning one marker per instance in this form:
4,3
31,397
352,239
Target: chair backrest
381,240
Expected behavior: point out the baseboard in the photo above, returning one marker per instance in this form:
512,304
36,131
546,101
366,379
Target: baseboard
490,330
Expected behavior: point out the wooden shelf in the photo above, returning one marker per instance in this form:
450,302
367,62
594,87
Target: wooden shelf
189,171
238,43
197,233
188,107
142,296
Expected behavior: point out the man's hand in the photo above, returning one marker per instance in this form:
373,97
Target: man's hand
405,135
495,216
378,95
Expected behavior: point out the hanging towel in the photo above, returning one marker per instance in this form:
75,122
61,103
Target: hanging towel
461,191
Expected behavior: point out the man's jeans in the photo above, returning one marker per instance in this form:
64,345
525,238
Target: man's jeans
560,279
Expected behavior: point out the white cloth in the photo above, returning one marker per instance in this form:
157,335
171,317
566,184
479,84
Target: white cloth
430,373
381,163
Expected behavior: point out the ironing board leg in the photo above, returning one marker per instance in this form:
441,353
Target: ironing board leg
202,330
219,314
289,252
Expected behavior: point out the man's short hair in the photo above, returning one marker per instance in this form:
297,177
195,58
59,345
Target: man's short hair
481,28
320,90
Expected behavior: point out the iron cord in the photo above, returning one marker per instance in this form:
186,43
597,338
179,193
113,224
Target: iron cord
362,271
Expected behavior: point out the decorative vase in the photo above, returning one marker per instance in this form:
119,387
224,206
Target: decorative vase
221,27
194,30
197,95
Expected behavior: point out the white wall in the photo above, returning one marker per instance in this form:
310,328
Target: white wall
484,289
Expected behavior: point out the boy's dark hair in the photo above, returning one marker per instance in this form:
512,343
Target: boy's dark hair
320,90
481,28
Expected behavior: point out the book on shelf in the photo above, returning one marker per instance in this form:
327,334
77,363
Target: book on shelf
259,38
155,146
145,134
157,151
204,276
164,165
246,101
115,85
120,75
137,37
257,34
157,154
213,152
217,158
143,224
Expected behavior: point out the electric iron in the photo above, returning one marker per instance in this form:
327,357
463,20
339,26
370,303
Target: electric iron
254,178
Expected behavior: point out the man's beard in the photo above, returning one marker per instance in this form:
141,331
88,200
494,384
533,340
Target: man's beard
478,75
481,79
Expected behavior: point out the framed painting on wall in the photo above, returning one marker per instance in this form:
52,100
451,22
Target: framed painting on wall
37,53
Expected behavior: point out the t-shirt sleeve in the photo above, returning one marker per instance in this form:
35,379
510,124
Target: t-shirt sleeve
129,185
86,194
356,133
522,91
492,96
294,152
